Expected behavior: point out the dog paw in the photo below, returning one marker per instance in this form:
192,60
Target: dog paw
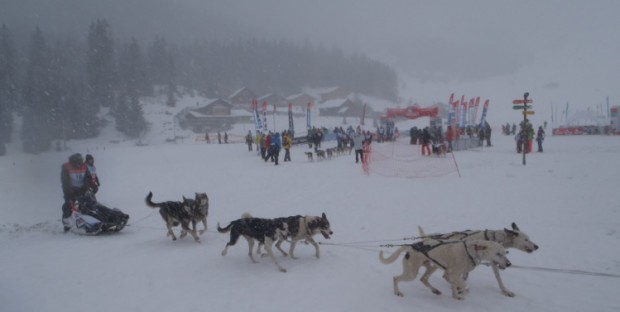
508,293
398,293
282,270
436,292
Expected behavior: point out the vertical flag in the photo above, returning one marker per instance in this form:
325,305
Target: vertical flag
476,106
308,124
484,113
265,116
463,112
257,122
363,115
291,127
451,109
274,116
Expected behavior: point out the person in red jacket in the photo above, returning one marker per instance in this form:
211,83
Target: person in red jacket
450,138
74,177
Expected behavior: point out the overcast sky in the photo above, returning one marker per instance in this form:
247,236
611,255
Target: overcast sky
562,50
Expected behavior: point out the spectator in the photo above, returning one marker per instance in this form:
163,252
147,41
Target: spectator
540,137
276,145
358,141
287,143
487,133
267,147
249,140
426,141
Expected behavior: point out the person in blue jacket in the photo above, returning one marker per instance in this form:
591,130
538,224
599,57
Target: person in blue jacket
274,149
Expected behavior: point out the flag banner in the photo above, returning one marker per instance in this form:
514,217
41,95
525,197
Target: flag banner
257,121
291,126
265,116
470,112
476,106
363,115
463,112
308,116
484,113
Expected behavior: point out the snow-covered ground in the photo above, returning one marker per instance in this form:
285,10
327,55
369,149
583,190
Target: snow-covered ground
566,199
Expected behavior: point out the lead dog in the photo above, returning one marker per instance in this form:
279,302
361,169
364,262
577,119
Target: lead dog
200,211
303,227
507,238
265,231
175,213
456,258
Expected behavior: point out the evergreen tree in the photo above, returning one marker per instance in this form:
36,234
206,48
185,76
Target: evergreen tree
8,85
36,108
132,71
129,116
100,67
160,62
128,112
77,117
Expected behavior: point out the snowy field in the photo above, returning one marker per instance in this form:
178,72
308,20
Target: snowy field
566,199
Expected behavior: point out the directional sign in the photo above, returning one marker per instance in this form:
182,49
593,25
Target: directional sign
528,113
522,101
521,106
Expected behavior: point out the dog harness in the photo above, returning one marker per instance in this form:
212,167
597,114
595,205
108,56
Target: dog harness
425,249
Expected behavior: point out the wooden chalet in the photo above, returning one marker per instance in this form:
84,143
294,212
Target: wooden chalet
333,94
242,98
217,115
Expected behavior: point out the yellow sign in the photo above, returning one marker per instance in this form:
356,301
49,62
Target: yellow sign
528,113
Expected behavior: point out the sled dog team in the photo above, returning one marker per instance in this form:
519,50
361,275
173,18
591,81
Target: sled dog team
456,253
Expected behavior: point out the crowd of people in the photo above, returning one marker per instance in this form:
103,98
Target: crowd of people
526,136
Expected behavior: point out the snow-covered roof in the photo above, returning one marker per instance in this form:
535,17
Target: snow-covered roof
332,103
584,118
238,92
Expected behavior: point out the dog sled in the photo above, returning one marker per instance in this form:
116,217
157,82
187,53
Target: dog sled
89,217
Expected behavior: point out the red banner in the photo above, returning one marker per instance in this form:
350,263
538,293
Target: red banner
412,112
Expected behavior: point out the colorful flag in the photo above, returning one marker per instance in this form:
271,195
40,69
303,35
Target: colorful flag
308,124
291,127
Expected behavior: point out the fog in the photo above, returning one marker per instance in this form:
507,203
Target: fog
559,50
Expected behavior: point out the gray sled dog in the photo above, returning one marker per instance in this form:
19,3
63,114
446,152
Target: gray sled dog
456,258
175,213
265,231
303,227
514,238
200,211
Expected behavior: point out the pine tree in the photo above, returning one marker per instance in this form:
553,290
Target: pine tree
128,112
100,67
132,71
36,108
129,116
8,85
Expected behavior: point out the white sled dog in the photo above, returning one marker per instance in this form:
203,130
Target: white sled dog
508,238
455,257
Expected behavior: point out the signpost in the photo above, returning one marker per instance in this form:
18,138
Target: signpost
522,104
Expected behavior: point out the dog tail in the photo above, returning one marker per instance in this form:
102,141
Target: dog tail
421,231
149,202
226,229
393,256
